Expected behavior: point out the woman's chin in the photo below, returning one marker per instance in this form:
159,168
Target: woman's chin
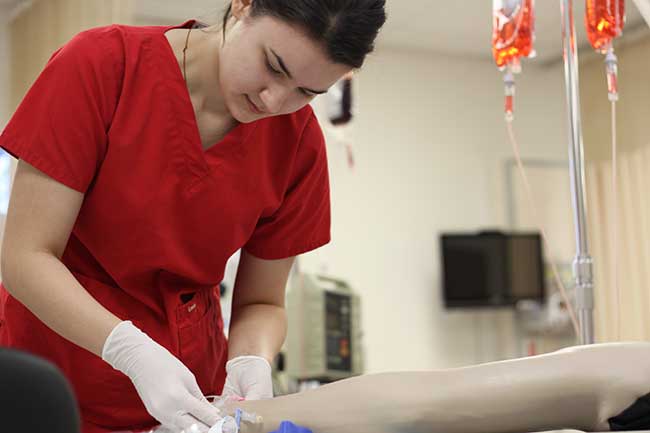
243,116
241,112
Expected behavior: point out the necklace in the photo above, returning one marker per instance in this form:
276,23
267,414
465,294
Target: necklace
187,39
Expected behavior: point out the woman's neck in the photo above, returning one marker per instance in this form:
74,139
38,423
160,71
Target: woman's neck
201,67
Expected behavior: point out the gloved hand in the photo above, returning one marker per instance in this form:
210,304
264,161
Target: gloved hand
167,388
249,377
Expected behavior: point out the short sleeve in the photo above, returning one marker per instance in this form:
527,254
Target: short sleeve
302,222
61,125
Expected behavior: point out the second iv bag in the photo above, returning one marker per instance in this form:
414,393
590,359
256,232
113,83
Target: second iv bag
513,31
604,21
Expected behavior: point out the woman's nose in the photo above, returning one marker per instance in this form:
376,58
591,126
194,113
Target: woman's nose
274,98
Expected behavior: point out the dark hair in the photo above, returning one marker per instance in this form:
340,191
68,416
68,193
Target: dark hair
347,28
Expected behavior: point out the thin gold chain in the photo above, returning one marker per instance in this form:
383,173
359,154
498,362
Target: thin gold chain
187,39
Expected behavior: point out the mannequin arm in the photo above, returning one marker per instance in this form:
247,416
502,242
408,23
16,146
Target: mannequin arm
579,388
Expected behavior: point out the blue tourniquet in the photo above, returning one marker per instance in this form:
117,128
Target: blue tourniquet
289,427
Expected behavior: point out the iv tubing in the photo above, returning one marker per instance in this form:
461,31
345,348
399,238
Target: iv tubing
615,261
611,71
531,204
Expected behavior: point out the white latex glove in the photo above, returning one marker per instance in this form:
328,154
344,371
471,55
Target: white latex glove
249,377
167,388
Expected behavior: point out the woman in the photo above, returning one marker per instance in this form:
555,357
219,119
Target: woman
148,156
594,388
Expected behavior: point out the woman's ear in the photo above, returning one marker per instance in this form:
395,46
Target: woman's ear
241,8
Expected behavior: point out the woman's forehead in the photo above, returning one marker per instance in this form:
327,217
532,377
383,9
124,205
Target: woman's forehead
303,56
288,37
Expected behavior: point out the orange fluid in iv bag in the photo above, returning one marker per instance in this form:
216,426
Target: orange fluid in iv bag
604,20
513,31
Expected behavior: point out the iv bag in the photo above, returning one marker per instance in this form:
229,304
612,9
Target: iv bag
513,31
604,21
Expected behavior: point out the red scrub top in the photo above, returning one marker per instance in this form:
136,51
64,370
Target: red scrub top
110,116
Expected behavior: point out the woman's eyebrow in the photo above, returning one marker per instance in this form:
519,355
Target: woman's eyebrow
286,71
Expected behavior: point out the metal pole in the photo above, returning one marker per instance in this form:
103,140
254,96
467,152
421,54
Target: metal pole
583,263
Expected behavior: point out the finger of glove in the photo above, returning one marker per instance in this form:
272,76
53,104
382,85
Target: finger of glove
206,401
230,390
186,423
257,387
196,392
201,409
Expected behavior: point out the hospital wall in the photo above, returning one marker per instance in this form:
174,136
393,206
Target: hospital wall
430,143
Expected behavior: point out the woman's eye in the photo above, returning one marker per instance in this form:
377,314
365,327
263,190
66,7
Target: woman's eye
272,69
275,71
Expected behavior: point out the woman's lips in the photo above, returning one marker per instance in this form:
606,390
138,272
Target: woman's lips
253,107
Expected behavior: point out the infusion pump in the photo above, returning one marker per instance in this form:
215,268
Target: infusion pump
324,335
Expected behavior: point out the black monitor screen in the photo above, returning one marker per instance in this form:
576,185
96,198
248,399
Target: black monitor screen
491,269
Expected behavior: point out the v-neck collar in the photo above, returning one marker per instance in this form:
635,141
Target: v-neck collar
236,135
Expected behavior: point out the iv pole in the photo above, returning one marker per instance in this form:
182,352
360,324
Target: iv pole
583,263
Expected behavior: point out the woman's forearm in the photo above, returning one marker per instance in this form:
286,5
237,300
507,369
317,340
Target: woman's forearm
257,329
41,282
579,389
